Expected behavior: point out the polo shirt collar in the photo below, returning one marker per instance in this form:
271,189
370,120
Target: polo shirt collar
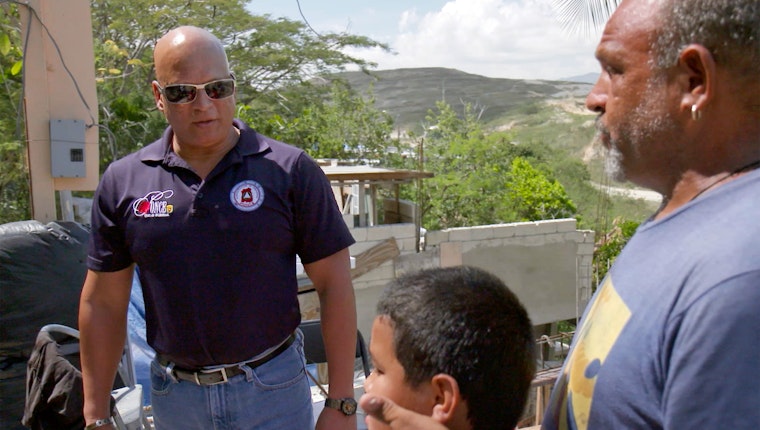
250,143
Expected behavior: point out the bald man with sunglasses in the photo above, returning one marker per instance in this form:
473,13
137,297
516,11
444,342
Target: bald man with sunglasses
214,214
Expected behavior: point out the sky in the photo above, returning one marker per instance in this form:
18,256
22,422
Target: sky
519,39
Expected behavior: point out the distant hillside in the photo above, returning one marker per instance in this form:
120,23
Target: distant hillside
552,112
408,94
588,78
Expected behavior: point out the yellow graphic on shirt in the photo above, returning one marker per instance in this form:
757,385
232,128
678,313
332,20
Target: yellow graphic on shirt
601,328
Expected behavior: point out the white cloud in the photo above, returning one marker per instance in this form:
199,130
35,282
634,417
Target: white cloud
497,38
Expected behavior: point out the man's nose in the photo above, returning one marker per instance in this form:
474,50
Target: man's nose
596,100
202,99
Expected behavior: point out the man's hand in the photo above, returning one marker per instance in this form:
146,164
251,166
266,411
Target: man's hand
381,409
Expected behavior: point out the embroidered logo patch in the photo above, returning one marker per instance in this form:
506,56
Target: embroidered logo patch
154,204
247,195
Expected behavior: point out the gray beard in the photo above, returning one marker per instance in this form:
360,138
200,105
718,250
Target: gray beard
612,164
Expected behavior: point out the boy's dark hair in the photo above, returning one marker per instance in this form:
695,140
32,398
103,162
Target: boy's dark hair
464,322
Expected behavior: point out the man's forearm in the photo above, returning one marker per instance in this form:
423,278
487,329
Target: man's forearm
101,349
338,315
102,332
332,280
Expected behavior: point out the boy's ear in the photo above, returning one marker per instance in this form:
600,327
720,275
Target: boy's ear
447,398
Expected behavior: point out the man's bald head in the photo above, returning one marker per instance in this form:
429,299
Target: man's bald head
179,49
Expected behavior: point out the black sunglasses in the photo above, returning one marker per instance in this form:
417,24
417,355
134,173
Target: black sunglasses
186,93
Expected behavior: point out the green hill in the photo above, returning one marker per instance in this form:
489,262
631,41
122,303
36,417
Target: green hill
531,111
408,93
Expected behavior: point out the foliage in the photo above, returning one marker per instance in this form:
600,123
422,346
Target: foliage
265,54
269,55
14,184
533,196
14,187
453,150
287,89
274,61
610,245
482,179
333,122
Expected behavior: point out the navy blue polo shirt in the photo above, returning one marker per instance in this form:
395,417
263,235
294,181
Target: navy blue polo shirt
216,256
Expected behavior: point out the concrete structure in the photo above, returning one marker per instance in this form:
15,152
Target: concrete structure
356,187
546,263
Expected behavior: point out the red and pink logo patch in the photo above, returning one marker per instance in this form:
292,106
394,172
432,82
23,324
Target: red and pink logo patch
247,195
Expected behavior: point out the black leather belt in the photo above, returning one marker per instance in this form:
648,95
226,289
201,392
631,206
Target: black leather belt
221,375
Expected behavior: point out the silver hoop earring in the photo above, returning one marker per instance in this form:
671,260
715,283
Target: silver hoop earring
696,114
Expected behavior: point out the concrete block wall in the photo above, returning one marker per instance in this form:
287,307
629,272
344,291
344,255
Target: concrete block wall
400,210
548,264
367,237
369,286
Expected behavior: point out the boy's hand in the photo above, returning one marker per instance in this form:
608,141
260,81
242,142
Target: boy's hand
381,409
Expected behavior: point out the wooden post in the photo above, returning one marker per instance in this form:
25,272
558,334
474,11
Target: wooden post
59,35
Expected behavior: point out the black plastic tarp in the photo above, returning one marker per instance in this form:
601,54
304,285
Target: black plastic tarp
42,268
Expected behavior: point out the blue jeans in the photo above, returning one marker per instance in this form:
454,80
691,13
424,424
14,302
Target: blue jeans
275,395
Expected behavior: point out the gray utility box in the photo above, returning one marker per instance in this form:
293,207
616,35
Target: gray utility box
67,148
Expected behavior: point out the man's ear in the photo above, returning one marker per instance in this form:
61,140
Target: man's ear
447,398
157,96
697,75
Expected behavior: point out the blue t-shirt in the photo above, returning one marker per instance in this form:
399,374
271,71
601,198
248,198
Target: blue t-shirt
671,339
216,256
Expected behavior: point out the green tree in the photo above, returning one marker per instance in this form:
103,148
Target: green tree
533,196
463,186
476,181
274,61
14,182
335,122
272,58
610,244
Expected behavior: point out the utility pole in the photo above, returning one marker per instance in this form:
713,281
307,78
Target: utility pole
60,101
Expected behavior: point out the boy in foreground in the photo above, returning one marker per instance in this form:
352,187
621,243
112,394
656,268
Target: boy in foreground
454,344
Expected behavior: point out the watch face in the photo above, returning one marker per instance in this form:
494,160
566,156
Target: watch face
348,406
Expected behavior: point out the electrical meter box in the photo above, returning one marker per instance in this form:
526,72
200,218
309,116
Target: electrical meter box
67,148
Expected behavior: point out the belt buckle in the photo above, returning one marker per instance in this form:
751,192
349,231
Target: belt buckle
222,370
